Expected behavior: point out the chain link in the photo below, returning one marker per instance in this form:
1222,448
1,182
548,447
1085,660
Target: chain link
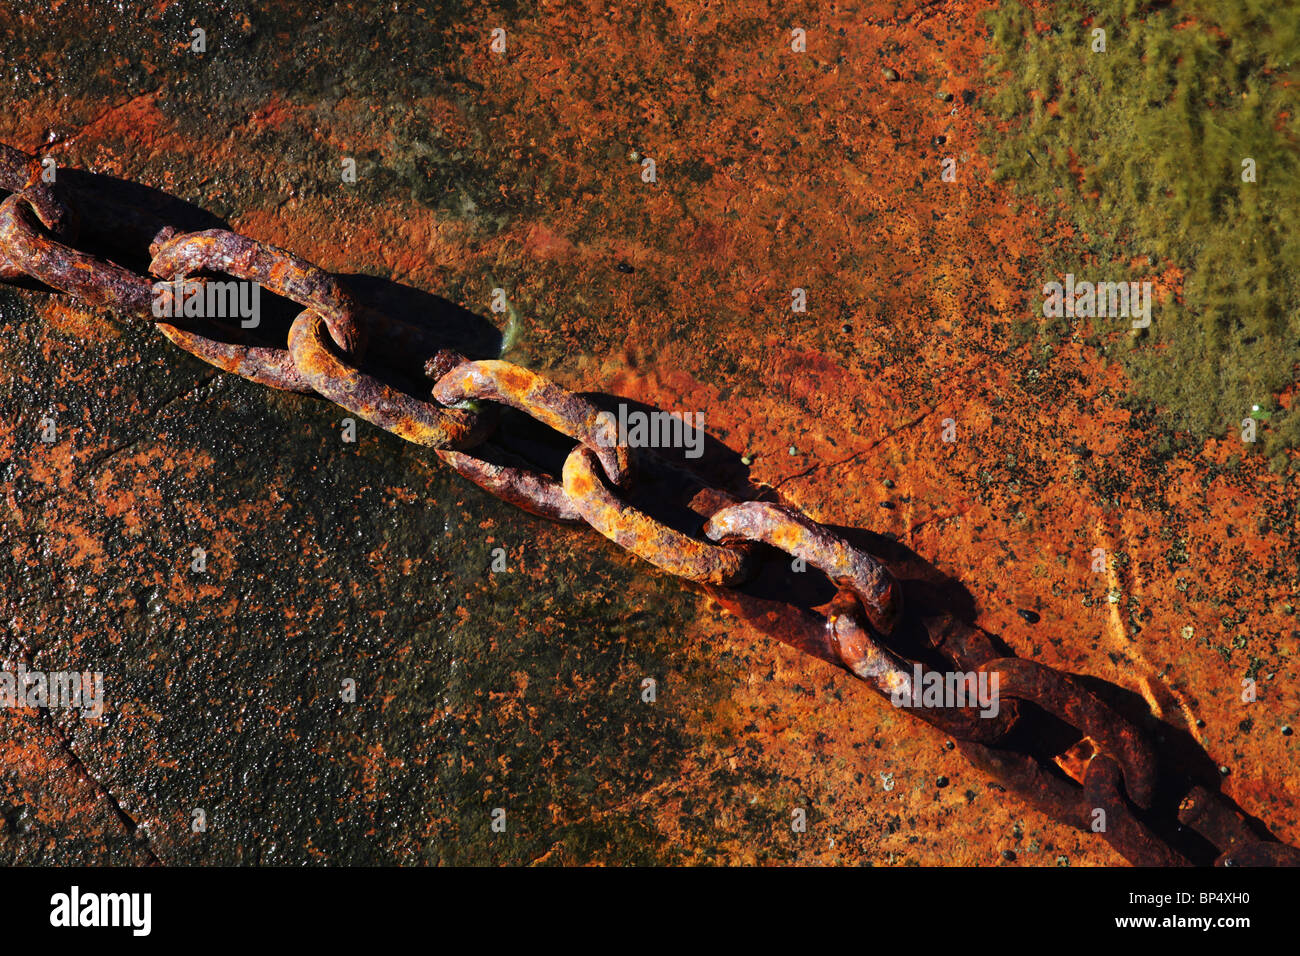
348,354
19,173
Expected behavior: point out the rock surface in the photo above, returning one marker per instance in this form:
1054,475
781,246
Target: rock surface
521,689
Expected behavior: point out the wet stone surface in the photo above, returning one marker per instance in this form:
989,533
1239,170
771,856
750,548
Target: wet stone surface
323,562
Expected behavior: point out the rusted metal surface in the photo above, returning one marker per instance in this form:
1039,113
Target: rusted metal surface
97,281
317,358
677,552
545,401
797,535
218,250
510,479
421,422
1104,791
1261,854
1057,694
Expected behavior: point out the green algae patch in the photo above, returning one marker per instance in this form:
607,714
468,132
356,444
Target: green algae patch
1172,151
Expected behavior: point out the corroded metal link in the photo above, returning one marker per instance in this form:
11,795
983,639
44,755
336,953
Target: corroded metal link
19,174
513,482
1209,815
1038,786
1057,694
797,534
285,274
266,365
508,478
1071,804
96,281
859,651
274,367
894,678
865,586
837,634
649,539
1126,833
966,646
545,401
421,422
108,285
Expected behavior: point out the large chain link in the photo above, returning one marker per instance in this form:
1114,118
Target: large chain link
1105,780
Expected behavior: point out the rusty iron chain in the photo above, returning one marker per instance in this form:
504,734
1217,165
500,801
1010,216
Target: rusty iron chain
339,350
